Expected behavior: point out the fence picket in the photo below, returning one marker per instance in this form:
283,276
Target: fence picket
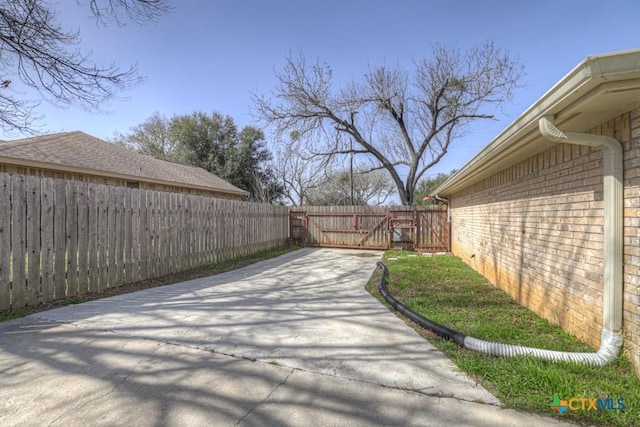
47,236
157,233
128,236
172,233
164,228
18,241
92,240
5,242
103,236
83,237
72,237
144,234
135,235
59,240
33,241
180,236
118,201
110,247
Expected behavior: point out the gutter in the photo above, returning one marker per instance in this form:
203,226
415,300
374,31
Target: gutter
593,79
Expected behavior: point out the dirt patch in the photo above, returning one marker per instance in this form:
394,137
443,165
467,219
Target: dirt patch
364,254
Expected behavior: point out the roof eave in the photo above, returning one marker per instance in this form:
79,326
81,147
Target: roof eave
94,172
573,101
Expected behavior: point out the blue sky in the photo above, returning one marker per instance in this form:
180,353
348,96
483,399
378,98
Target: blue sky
210,55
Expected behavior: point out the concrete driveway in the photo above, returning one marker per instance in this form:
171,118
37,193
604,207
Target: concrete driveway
292,341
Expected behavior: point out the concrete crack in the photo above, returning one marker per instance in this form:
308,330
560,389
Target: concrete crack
423,391
281,383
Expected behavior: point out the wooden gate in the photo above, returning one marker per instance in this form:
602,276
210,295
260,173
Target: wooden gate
433,229
366,227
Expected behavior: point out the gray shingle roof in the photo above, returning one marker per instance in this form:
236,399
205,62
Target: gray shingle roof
77,150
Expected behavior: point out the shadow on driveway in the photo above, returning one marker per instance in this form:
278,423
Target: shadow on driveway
294,340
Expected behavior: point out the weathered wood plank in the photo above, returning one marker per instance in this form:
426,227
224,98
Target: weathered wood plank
128,239
47,221
200,258
103,236
145,234
215,206
229,230
60,239
83,237
170,233
186,224
5,241
92,238
120,234
224,227
110,247
151,235
18,241
157,247
195,218
193,237
164,234
135,235
33,241
209,231
176,232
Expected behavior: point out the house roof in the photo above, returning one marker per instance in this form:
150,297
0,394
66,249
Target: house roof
598,89
78,152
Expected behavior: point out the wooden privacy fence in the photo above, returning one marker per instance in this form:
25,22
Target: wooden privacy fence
424,228
62,238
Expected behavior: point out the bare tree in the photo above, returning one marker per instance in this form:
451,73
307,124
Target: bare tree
36,51
265,188
360,188
404,124
298,173
120,11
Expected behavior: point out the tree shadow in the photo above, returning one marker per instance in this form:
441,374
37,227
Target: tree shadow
224,350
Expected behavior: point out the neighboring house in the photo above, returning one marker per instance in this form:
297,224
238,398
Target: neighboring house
549,214
78,156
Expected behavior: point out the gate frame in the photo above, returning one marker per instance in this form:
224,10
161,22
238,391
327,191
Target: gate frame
301,221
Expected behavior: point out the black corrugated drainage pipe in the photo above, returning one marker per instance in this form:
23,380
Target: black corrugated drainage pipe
602,357
434,327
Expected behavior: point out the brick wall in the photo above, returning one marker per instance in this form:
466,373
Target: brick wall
536,230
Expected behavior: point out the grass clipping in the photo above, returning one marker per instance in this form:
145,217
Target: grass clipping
447,291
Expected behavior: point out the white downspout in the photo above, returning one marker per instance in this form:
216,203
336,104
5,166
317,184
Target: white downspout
612,170
611,338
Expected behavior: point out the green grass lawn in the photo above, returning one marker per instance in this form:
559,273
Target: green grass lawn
445,290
